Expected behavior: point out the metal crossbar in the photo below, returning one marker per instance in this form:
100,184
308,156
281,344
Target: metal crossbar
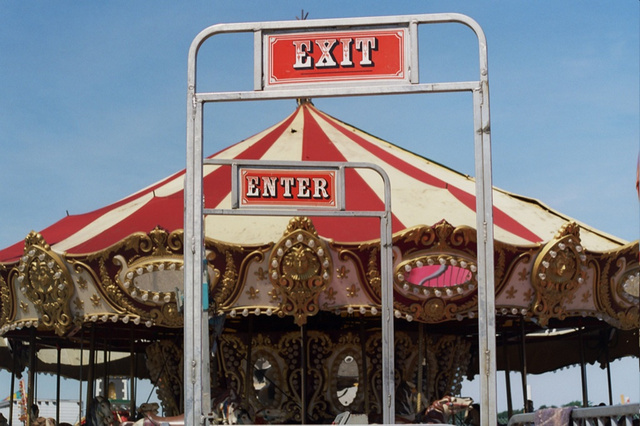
611,415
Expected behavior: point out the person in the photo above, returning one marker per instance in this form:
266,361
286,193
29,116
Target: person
3,420
529,408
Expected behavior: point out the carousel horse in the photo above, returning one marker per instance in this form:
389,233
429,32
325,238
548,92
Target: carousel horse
271,415
441,410
472,418
100,413
227,410
406,402
149,411
40,421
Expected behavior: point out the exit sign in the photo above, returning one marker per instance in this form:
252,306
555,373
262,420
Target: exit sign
335,56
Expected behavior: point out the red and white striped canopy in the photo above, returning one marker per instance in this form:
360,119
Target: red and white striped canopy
422,193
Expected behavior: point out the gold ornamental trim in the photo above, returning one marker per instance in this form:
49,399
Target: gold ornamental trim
300,269
558,271
46,282
138,258
618,294
7,299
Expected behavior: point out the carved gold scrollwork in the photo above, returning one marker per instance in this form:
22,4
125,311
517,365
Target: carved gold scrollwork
137,277
268,375
373,273
164,361
229,281
300,269
459,274
44,279
618,295
558,271
7,300
448,360
346,386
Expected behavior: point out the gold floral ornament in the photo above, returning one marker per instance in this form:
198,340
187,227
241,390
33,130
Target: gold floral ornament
46,282
558,272
300,269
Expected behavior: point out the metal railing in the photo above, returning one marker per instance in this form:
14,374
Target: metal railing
611,415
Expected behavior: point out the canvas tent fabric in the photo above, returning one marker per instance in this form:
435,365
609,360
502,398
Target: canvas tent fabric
422,192
116,271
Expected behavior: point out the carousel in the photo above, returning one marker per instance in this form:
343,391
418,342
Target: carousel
294,303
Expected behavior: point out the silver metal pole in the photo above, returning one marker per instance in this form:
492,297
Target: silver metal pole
196,324
196,329
388,347
484,225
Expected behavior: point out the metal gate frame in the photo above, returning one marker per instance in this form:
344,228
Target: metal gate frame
196,329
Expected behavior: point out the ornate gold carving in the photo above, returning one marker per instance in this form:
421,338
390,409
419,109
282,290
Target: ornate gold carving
523,275
330,294
464,277
164,361
299,267
7,299
345,370
82,283
261,274
448,360
44,279
352,291
342,272
253,292
373,272
79,303
138,260
229,279
95,300
617,295
300,263
557,273
234,354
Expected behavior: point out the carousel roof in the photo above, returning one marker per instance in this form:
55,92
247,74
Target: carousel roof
119,267
423,192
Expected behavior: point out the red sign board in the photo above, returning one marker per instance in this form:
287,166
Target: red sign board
288,188
330,57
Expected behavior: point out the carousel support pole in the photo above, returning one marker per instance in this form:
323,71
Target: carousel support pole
13,383
523,363
583,372
365,374
58,373
485,244
105,371
32,374
303,373
91,372
132,377
507,373
197,383
80,377
388,332
420,365
606,354
248,379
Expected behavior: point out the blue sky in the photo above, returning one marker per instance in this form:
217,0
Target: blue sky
92,99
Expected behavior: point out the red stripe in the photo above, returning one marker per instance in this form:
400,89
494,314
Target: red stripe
359,196
69,225
168,212
501,219
165,212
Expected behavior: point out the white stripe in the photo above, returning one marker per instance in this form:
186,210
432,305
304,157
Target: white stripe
108,220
